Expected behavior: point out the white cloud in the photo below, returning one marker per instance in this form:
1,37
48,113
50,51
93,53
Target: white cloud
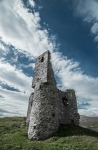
2,47
88,10
32,65
32,3
94,28
14,78
22,29
15,103
89,112
71,76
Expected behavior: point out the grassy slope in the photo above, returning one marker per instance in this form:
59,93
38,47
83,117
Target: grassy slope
13,136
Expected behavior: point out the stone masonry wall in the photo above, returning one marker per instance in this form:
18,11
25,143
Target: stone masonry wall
44,114
73,112
63,108
29,107
68,107
43,70
48,106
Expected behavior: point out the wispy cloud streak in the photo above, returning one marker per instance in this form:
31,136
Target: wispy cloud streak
88,11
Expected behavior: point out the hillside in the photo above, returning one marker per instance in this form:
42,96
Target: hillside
13,136
88,121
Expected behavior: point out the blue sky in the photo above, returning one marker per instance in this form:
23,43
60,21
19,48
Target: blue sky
69,29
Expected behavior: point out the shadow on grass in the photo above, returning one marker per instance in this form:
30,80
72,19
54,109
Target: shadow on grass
70,130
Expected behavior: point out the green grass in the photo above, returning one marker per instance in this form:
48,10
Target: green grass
13,136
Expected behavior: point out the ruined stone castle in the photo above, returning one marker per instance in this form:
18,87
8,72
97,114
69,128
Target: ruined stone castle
49,107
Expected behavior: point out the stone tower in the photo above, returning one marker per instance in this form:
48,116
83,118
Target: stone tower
48,106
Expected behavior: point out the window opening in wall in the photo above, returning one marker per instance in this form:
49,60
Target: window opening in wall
33,86
65,101
42,59
34,127
72,122
40,86
53,115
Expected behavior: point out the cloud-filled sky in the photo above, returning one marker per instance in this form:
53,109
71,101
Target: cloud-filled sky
69,29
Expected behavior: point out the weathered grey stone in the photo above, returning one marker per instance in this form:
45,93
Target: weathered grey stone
29,107
48,106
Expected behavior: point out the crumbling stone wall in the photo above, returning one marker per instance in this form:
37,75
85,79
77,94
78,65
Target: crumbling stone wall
68,113
44,113
48,106
73,112
43,71
63,108
29,107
